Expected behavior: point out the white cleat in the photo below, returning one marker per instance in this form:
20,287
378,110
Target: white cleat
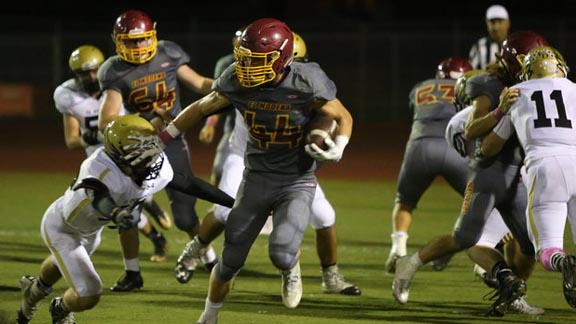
292,286
520,306
207,320
405,271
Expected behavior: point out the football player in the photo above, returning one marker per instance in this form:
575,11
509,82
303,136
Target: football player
275,97
78,100
144,77
493,183
541,115
110,187
427,155
322,218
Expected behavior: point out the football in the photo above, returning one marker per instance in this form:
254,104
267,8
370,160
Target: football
319,128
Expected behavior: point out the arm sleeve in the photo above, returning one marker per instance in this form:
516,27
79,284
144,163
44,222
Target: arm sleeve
199,188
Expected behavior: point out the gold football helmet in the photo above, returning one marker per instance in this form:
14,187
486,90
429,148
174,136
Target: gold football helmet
461,100
85,58
132,143
300,51
542,62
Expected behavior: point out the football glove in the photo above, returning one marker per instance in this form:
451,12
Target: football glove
334,151
92,137
121,216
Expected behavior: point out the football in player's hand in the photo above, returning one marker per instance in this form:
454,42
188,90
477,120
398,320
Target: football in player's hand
319,128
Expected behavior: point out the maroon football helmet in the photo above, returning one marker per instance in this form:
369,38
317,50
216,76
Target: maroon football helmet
135,27
515,47
264,52
452,68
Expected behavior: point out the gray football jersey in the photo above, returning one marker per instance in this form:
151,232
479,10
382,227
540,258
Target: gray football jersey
489,85
150,86
276,116
432,104
229,114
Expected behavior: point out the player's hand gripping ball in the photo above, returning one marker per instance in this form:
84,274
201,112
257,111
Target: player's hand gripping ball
319,129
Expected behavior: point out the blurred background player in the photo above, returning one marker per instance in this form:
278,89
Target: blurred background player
78,100
277,177
323,216
493,183
483,52
109,187
550,147
427,155
144,77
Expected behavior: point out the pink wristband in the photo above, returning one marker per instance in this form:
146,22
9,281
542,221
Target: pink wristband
497,113
165,137
212,121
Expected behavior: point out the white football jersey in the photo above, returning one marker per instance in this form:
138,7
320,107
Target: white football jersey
77,209
71,100
544,118
455,129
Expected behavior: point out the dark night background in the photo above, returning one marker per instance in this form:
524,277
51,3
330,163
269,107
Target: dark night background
375,51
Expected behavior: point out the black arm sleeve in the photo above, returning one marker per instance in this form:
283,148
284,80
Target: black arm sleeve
201,189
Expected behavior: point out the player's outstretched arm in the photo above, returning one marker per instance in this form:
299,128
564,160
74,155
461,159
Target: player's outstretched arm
199,188
192,114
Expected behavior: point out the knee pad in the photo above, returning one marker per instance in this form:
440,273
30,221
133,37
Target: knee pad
225,273
283,260
545,257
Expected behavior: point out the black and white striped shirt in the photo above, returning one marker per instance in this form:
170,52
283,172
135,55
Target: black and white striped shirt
483,53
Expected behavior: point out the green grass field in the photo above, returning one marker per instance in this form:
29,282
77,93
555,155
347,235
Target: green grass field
453,296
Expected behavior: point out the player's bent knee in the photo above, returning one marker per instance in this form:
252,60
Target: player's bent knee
89,302
283,260
465,241
225,273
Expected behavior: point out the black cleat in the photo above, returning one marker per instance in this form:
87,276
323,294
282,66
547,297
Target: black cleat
569,279
131,280
160,248
59,315
510,289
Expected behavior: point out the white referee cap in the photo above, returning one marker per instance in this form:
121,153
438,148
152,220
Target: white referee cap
496,12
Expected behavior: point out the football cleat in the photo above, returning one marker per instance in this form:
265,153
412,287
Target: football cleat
130,280
520,306
569,279
59,315
188,260
31,296
333,283
204,319
390,265
510,288
405,271
488,279
292,286
160,248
